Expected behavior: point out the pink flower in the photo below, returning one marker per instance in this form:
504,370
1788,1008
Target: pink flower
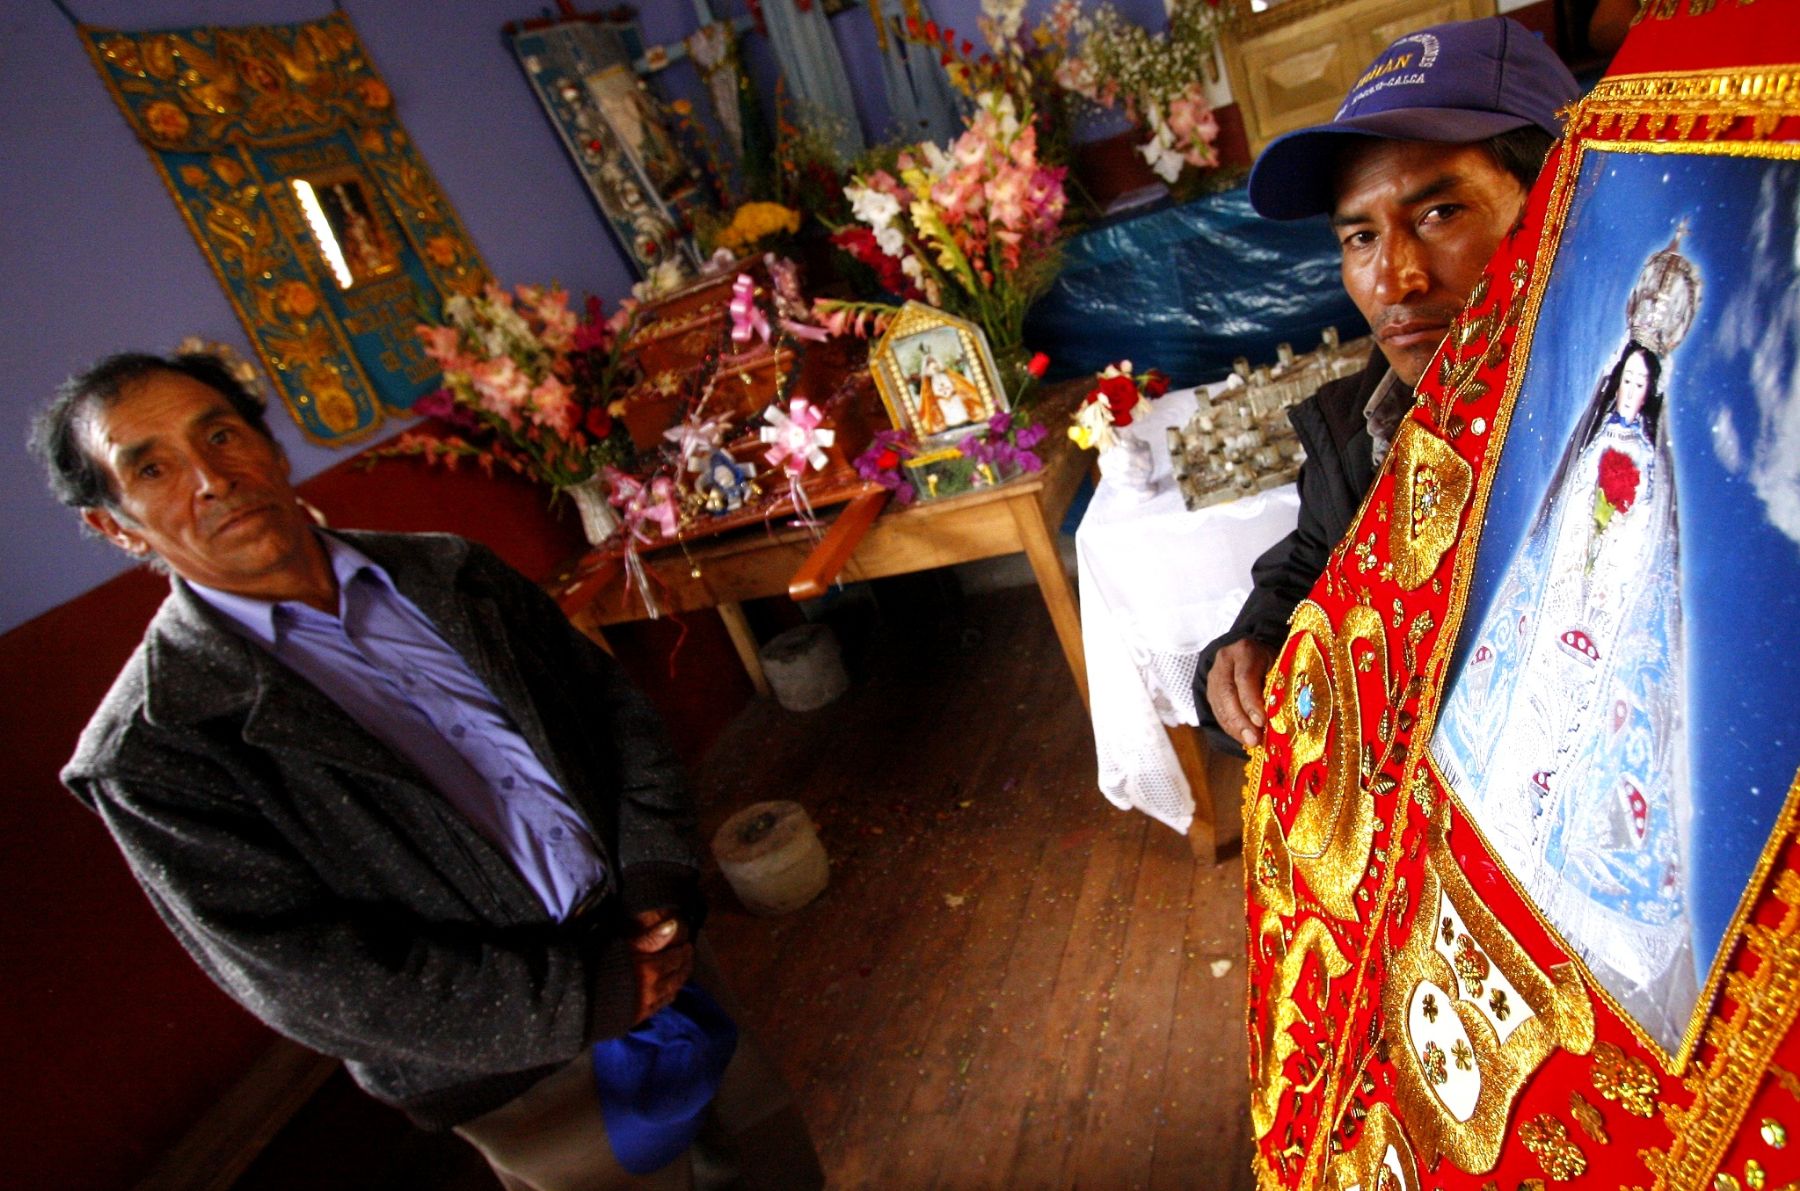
1195,128
551,306
553,406
502,388
444,345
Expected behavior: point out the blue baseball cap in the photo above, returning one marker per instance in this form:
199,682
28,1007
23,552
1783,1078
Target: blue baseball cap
1457,83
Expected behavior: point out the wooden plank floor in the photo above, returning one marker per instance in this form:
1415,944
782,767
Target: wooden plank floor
1008,983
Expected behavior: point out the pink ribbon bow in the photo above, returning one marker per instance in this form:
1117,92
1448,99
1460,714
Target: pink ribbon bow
747,318
794,437
696,441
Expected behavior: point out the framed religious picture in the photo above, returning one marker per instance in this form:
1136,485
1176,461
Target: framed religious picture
1607,676
646,188
937,379
350,228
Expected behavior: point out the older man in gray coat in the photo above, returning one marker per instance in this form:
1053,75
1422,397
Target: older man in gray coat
396,806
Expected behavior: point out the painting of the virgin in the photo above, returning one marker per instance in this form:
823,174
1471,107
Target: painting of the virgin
1592,727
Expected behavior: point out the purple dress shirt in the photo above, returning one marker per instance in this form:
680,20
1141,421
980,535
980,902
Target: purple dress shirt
383,662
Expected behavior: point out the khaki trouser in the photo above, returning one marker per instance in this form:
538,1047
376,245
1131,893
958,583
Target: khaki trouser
553,1138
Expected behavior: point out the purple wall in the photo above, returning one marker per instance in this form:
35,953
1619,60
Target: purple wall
95,259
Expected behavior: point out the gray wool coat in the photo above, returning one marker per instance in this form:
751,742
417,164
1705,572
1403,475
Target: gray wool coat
324,885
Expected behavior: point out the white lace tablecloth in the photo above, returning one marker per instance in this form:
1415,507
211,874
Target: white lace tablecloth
1157,584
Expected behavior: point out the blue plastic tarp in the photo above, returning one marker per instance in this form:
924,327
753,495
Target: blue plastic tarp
1187,289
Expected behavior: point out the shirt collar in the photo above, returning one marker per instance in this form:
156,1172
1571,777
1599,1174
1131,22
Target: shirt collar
259,619
1386,409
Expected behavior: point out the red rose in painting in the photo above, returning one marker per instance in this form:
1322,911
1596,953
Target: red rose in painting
1618,480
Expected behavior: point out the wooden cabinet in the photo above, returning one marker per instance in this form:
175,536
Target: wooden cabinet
1292,64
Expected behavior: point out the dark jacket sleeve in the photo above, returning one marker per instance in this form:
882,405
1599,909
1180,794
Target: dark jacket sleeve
1333,478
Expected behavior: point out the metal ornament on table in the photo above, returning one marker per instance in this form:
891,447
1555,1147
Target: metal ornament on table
1240,441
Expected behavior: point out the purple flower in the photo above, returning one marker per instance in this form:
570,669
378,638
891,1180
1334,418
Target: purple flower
881,463
437,404
442,405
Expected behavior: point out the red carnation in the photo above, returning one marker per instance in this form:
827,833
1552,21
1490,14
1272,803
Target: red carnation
1121,395
1155,384
1040,364
1618,480
598,422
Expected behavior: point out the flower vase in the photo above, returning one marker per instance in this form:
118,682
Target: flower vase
1128,465
598,519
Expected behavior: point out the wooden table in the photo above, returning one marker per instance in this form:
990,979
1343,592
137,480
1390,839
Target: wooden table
1021,515
863,542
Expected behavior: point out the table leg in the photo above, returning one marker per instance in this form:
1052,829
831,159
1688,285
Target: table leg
1207,837
1039,542
745,643
590,628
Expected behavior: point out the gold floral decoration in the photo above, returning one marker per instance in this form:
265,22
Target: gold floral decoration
1621,1077
1332,832
1461,1112
1548,1139
1431,489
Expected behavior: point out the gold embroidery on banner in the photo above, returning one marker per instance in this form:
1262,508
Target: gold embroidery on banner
1304,712
1549,1010
298,96
1381,1158
1431,488
1272,1021
1271,864
1618,1076
1764,1006
1548,1139
1333,829
1588,1117
1761,95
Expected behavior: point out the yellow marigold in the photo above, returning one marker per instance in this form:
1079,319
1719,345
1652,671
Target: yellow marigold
755,221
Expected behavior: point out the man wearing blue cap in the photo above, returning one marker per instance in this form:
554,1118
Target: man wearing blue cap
1423,171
